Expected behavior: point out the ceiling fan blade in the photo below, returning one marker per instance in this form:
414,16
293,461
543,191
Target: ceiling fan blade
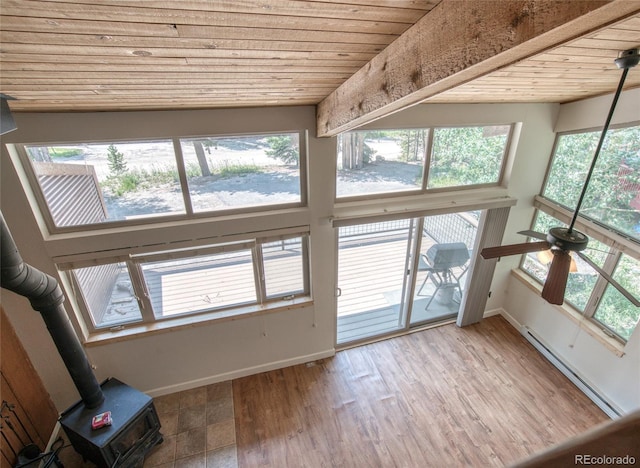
611,281
513,249
534,234
556,283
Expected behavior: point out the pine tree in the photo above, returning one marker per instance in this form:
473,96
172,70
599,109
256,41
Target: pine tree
284,148
117,164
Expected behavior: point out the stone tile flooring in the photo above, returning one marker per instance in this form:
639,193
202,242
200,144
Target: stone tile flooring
198,428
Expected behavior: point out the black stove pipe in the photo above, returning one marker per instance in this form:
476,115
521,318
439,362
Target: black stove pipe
46,296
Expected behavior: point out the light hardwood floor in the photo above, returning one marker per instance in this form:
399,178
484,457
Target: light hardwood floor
476,396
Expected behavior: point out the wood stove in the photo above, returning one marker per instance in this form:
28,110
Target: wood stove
134,428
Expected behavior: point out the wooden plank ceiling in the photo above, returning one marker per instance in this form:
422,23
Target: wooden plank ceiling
581,68
112,54
93,55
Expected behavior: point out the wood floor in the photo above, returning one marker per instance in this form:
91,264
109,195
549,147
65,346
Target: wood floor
477,396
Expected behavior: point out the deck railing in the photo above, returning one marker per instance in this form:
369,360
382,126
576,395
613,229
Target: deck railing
445,228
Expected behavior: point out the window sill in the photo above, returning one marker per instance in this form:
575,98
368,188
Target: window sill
182,322
596,332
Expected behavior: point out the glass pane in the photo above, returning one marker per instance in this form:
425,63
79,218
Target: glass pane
371,271
613,196
582,278
615,311
108,294
283,267
445,253
94,183
467,156
380,161
198,284
239,172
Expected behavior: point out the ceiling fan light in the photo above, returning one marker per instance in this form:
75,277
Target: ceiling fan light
573,268
546,256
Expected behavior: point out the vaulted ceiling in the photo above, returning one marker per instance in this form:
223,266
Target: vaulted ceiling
356,59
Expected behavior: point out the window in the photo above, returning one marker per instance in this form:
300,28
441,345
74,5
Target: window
614,310
93,183
96,183
467,156
392,161
612,211
242,172
161,285
155,276
613,197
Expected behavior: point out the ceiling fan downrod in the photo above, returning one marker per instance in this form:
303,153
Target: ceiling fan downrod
626,60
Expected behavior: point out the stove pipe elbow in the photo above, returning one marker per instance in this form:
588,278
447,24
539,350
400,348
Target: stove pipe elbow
46,297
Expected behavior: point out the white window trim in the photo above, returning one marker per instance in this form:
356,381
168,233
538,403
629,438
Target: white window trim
608,237
413,207
593,328
422,190
189,214
140,330
618,245
149,322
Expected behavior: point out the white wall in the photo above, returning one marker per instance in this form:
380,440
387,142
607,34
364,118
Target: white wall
217,351
615,378
194,356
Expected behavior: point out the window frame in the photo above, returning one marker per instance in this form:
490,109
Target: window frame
617,243
189,213
134,262
556,142
427,157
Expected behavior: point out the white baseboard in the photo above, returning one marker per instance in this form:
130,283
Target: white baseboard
578,380
492,312
514,323
236,374
575,377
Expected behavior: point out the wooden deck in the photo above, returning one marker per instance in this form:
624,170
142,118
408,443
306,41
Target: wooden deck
220,281
370,277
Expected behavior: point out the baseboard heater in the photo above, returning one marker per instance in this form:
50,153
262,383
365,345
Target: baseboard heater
578,381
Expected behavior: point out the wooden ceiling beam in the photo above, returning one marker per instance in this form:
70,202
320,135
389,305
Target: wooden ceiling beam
456,42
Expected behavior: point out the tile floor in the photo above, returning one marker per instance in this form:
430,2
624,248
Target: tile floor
198,428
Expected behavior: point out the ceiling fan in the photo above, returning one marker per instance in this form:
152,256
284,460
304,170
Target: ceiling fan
562,241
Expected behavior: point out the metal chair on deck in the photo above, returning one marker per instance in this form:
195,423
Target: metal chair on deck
439,262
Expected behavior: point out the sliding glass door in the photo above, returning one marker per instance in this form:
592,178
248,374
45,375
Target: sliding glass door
372,265
446,249
393,275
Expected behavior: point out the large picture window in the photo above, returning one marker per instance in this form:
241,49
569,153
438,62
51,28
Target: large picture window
395,161
612,205
120,181
242,172
613,197
157,286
